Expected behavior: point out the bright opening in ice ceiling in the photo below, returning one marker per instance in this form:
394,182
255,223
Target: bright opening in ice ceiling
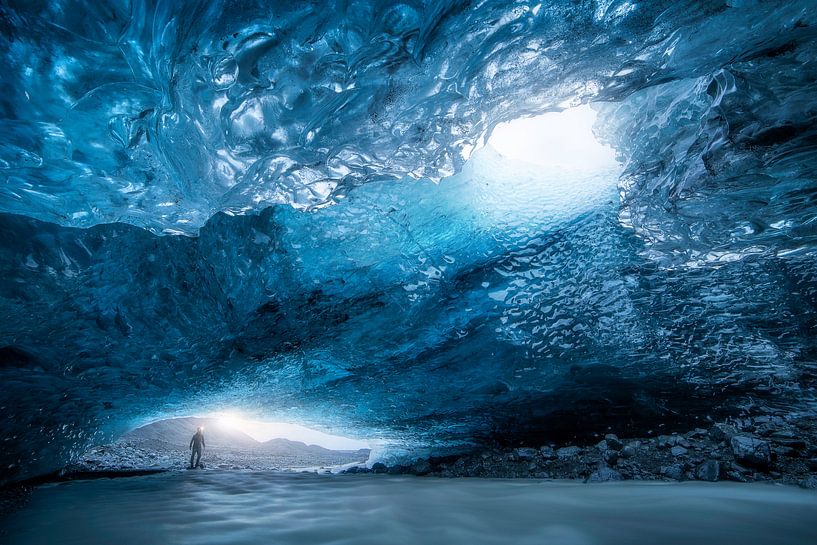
562,139
286,206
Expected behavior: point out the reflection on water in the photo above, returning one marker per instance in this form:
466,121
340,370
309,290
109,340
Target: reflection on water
212,507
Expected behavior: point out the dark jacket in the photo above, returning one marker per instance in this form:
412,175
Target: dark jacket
197,441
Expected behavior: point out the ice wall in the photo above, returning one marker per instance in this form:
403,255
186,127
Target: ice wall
326,277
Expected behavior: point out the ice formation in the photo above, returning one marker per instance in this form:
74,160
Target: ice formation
287,208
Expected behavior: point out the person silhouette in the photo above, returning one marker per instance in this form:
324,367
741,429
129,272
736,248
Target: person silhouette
196,446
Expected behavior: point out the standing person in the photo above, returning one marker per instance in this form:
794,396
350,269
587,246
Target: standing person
196,445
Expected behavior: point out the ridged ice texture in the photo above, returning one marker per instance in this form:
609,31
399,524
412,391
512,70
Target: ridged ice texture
506,303
161,113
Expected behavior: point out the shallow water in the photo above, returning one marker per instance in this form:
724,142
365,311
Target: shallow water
275,508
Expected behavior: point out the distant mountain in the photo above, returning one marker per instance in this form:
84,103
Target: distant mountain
177,432
285,447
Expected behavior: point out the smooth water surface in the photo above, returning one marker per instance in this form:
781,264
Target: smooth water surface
275,508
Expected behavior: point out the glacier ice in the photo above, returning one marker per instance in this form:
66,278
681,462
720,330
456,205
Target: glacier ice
289,208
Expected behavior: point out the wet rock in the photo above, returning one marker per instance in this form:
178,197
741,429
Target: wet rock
751,451
735,476
678,451
604,474
379,467
722,432
568,452
708,471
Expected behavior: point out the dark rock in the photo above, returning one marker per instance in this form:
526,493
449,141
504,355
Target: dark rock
751,451
547,453
708,471
604,474
421,467
786,452
610,457
613,442
568,452
631,449
809,482
790,442
678,451
735,476
379,467
669,441
526,453
697,433
666,441
675,471
722,432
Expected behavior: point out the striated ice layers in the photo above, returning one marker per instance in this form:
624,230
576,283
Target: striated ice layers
354,258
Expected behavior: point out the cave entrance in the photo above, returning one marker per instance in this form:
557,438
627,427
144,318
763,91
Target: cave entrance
231,441
562,139
262,431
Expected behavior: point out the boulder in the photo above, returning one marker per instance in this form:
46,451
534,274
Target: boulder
675,471
604,474
379,467
547,453
697,433
722,432
613,442
669,441
751,451
421,467
568,452
678,451
631,449
610,457
526,453
708,471
809,482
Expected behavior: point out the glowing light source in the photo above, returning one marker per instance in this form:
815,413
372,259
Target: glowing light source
563,139
264,431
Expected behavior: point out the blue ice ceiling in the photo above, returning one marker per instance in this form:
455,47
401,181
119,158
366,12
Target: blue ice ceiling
287,208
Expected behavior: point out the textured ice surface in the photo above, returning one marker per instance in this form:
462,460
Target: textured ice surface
250,508
329,279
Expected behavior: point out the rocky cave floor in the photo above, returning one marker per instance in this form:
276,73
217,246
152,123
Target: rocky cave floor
128,456
769,448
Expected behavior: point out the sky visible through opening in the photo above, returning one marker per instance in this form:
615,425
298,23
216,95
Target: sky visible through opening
264,431
563,139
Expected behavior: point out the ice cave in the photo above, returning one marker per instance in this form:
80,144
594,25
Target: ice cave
471,233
